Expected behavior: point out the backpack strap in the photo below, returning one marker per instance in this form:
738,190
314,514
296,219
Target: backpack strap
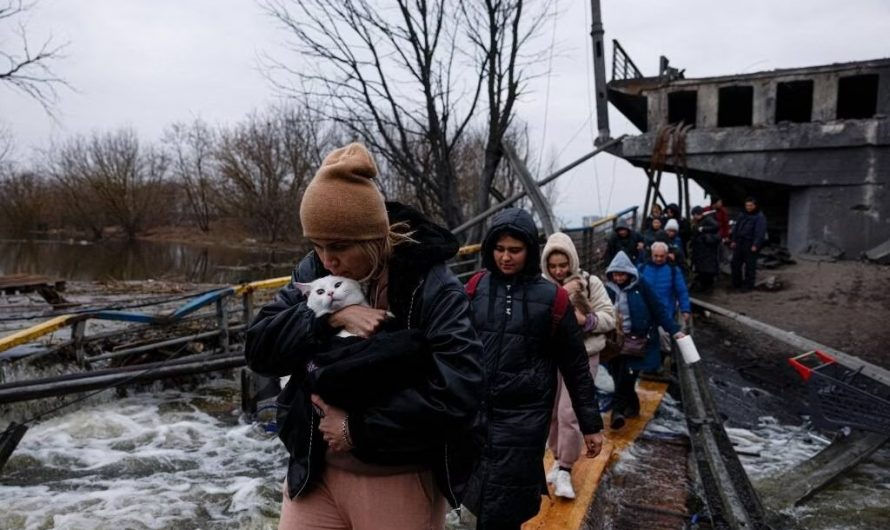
473,283
558,309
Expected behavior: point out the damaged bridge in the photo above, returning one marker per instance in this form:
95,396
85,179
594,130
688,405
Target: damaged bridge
813,144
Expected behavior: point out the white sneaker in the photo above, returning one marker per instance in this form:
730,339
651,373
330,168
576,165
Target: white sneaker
551,475
563,485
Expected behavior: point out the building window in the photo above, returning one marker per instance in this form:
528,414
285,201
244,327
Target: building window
735,106
794,101
682,107
857,97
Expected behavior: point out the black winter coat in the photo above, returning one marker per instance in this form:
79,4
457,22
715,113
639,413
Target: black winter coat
430,420
750,228
628,244
521,355
705,245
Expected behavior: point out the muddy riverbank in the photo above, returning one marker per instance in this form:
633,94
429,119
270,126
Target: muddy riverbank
844,305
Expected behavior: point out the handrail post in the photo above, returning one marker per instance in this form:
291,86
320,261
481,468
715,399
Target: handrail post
223,317
247,303
78,331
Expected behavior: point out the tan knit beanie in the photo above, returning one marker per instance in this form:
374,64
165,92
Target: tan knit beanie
342,202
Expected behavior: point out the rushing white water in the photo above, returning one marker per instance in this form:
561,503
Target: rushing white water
860,500
169,460
184,460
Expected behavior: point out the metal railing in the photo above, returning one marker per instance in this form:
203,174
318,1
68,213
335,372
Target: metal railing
623,66
219,300
590,242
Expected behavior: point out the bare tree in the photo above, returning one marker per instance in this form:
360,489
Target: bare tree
192,147
23,202
393,77
501,32
111,178
6,148
26,69
265,164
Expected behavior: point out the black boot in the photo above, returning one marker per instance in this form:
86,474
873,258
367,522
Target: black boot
617,420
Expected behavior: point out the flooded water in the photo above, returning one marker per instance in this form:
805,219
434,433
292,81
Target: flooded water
142,260
166,460
177,460
859,500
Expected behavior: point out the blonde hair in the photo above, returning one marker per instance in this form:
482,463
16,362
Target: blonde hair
379,251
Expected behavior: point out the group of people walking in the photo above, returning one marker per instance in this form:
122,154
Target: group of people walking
446,394
707,240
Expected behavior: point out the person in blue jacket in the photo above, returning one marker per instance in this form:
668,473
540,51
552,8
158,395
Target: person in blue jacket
641,314
667,280
748,236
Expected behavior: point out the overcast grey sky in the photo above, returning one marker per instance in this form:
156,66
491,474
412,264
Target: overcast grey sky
149,63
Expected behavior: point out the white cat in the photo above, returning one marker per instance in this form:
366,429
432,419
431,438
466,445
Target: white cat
330,294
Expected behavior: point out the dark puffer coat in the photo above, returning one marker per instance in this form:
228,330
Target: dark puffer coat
428,422
705,245
629,245
522,351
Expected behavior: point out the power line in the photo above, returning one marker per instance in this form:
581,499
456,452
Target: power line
549,77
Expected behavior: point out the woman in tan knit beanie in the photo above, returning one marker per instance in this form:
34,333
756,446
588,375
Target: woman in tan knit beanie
394,454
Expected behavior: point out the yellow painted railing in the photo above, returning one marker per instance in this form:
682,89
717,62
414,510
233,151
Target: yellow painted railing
45,328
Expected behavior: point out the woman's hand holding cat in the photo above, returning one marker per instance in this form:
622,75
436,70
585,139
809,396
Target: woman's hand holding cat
334,425
359,320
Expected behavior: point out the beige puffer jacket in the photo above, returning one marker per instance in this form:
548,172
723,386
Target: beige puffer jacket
589,296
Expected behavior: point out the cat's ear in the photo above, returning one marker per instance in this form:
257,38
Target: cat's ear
303,287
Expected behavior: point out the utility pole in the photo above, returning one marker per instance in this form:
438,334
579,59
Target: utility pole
599,72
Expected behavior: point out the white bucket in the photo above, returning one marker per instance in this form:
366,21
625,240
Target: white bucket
688,350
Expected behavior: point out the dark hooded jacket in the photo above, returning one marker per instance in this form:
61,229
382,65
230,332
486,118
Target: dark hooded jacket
429,421
626,244
522,351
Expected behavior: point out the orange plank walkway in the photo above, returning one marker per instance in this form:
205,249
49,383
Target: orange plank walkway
562,514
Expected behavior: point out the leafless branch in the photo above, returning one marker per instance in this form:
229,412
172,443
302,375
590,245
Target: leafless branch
26,69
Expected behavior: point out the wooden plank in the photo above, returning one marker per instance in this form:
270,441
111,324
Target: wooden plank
13,282
26,335
563,514
804,480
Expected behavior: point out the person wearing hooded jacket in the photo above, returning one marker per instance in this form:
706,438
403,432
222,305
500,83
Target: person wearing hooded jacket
596,316
641,312
672,211
627,240
525,341
392,459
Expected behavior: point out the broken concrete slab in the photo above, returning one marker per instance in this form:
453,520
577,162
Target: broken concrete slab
880,253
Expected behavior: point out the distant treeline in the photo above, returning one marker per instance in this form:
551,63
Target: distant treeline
252,174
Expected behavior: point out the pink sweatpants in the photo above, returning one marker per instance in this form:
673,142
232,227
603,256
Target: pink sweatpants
347,501
566,441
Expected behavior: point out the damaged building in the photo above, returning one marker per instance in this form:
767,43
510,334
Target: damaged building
813,144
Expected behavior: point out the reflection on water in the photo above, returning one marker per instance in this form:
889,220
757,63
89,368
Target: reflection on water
142,260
